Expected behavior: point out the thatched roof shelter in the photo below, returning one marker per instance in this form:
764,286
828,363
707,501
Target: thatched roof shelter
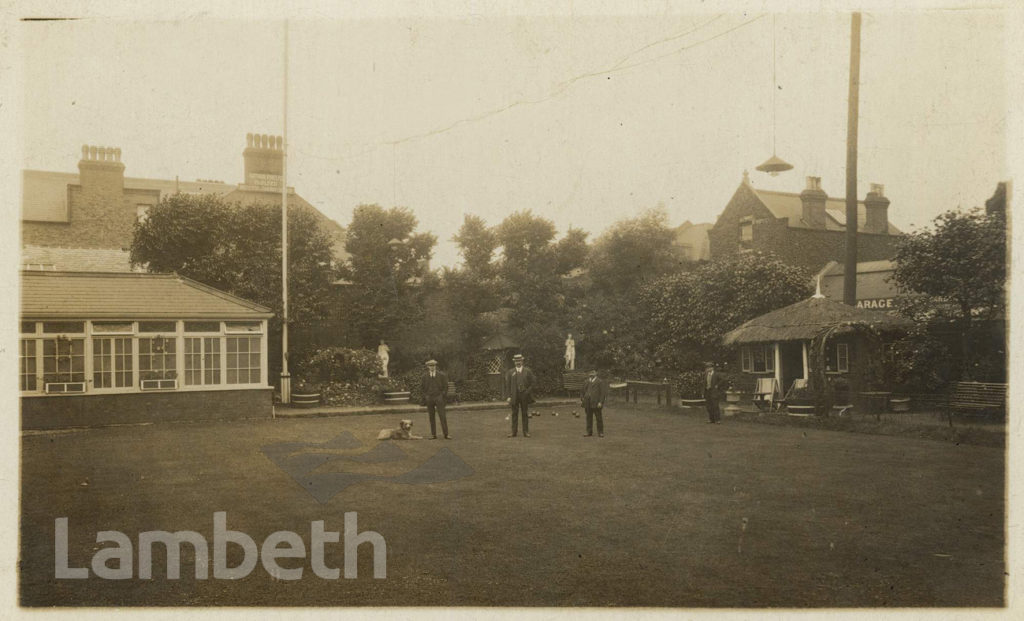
804,320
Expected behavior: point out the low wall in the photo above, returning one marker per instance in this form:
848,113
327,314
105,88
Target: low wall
60,411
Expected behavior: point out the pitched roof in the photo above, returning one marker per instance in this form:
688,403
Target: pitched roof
75,259
85,295
803,321
694,239
789,205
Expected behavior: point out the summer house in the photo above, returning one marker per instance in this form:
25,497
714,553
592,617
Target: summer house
105,348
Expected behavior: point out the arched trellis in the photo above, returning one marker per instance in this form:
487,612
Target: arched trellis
817,380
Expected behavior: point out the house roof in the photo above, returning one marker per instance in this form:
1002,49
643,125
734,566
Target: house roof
75,259
805,319
788,205
44,196
694,239
94,295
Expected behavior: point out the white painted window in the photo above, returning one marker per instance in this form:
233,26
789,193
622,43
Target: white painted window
243,359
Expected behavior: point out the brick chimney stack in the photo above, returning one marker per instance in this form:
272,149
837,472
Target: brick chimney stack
876,207
101,173
813,199
264,160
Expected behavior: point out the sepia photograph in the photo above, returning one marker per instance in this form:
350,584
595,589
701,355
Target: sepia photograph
574,307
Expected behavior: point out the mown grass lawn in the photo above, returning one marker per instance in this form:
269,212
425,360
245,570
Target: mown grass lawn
663,511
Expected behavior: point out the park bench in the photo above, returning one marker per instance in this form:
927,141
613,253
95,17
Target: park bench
572,381
398,396
976,397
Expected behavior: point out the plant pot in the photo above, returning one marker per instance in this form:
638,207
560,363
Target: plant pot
733,396
800,408
692,402
899,404
306,397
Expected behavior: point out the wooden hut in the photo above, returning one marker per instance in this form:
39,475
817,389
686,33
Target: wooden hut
778,344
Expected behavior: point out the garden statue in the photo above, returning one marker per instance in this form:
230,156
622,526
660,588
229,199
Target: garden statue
382,353
570,353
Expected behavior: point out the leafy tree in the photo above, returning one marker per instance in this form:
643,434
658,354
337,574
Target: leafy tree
477,243
955,271
387,262
688,313
238,250
634,251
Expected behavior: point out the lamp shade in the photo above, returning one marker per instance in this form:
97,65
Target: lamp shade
774,165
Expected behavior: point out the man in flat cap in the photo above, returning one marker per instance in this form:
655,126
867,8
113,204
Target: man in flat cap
593,396
518,388
434,388
714,389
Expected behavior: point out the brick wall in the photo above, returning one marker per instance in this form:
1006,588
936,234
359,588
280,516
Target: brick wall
56,412
808,248
102,216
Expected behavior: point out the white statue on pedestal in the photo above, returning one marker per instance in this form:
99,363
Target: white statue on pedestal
382,353
570,353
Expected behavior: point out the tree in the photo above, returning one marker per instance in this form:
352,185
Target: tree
477,243
238,250
688,313
634,251
955,271
387,262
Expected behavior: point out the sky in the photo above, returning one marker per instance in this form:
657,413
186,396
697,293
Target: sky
584,119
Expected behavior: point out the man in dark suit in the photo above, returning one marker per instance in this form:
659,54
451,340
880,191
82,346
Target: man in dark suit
593,395
714,390
518,388
434,388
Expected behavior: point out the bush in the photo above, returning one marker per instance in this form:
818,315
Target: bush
689,384
338,365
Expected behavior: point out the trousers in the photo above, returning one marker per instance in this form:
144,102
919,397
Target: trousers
519,405
438,408
593,413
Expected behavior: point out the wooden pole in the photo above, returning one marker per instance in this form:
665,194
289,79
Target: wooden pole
286,380
850,266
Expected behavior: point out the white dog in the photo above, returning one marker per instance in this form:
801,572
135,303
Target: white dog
404,432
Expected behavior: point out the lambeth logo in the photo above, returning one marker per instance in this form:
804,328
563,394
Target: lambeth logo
322,468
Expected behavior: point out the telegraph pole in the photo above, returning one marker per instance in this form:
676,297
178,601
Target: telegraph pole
850,267
286,379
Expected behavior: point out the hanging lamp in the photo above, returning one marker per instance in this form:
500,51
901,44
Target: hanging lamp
775,164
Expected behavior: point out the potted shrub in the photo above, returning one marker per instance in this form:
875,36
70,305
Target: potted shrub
900,399
801,402
306,394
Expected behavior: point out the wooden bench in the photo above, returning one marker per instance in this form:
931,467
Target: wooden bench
976,397
635,386
573,381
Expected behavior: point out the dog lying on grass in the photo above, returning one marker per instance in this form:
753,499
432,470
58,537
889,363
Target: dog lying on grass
404,432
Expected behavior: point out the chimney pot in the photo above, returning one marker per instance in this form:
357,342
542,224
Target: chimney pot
248,140
877,188
85,151
813,183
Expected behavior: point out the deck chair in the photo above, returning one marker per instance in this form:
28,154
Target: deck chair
766,394
797,383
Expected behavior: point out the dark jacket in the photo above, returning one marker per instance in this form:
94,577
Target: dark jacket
718,385
594,394
519,386
434,389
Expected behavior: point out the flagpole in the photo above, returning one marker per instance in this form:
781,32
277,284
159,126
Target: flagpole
286,380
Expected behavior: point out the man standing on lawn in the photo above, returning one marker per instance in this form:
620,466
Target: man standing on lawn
518,387
713,392
593,395
435,390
